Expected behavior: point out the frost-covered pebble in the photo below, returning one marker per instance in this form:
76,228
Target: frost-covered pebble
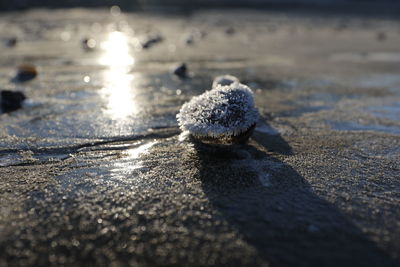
221,113
224,80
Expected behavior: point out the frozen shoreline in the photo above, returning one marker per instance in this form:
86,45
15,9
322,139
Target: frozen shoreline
93,171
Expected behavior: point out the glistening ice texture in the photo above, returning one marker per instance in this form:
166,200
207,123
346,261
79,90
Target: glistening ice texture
223,111
224,80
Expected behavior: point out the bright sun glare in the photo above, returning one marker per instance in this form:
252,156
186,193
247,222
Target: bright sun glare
118,80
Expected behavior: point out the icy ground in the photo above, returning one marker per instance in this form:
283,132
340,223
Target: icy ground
93,170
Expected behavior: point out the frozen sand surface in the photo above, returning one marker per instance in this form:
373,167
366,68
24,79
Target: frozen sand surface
92,170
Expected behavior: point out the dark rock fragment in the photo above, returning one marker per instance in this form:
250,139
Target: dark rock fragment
11,100
230,31
181,71
151,40
25,73
11,42
381,36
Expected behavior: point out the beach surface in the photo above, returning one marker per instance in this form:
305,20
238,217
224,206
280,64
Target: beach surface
94,170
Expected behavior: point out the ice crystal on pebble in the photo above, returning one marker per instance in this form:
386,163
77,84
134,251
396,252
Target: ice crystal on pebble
222,112
224,80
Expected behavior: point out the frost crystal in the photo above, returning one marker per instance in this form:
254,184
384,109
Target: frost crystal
224,80
222,112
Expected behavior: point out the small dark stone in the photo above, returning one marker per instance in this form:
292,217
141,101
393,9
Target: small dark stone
381,36
181,71
194,36
89,44
25,73
151,40
11,100
230,31
189,40
11,42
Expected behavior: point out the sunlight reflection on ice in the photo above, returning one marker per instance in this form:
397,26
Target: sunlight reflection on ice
119,96
135,152
131,162
118,92
117,52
